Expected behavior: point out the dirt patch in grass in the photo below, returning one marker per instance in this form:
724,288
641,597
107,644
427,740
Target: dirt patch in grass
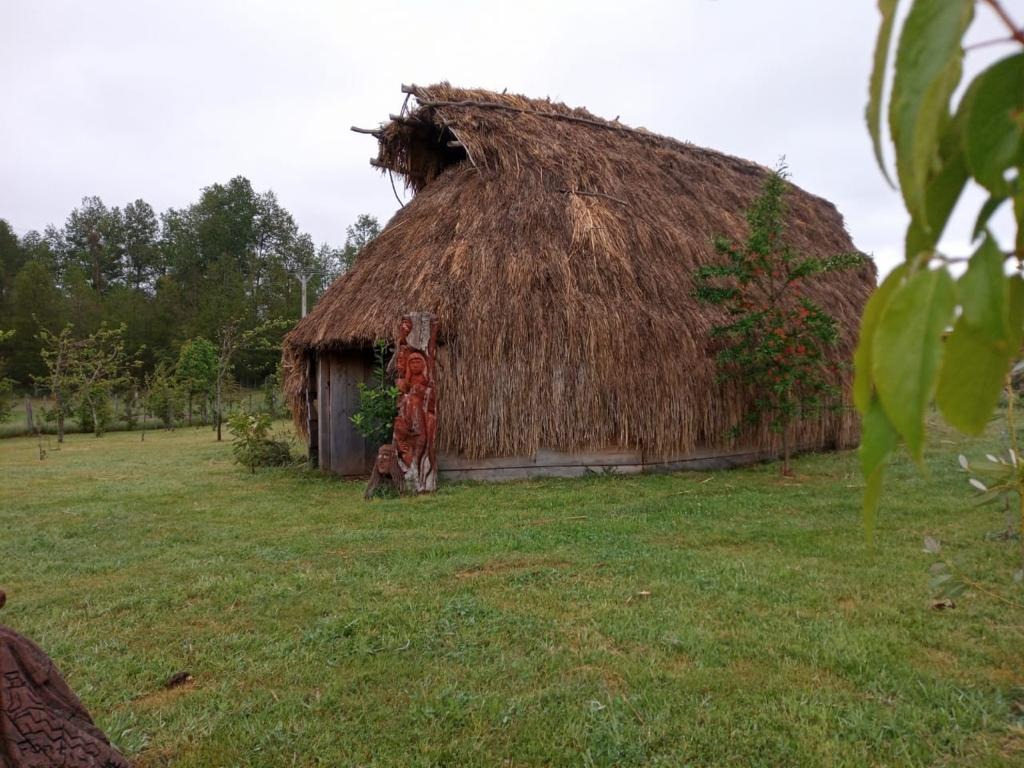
847,604
1013,744
936,658
165,695
1011,676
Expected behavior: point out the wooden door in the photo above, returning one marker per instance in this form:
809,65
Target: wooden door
342,449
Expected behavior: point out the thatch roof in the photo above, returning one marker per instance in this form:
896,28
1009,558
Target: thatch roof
558,250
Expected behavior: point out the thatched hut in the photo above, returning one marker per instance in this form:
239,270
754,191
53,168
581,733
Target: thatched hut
557,250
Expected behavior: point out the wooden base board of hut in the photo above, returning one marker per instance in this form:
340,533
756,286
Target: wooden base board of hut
547,463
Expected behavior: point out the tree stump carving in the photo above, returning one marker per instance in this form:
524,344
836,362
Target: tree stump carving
409,462
42,722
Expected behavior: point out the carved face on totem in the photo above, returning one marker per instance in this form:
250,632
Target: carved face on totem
416,365
404,329
385,456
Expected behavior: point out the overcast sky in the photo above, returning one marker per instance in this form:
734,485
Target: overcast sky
159,99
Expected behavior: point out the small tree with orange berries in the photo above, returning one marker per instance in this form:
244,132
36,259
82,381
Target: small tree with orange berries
776,341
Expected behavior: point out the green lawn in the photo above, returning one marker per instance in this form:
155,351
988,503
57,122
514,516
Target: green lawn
692,619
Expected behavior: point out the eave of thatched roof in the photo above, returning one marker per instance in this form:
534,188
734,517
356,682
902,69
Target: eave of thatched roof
558,251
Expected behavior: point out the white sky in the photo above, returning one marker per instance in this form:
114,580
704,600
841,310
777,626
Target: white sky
158,99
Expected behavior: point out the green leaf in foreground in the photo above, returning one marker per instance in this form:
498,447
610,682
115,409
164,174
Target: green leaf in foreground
984,341
863,386
994,126
907,350
874,109
945,184
987,210
973,371
878,441
983,292
928,69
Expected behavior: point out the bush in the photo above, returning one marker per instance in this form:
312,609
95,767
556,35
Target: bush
104,411
273,394
131,408
6,399
166,400
378,402
253,445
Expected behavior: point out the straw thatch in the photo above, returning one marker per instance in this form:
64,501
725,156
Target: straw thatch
558,250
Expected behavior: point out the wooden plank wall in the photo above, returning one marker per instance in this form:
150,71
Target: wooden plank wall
312,411
342,449
323,401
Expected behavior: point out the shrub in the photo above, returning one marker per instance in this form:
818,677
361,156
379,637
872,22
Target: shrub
6,399
96,404
131,408
196,370
253,445
378,401
165,398
273,393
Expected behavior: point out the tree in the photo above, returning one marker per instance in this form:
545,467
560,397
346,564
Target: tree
6,385
12,259
97,366
141,256
35,304
82,373
357,237
234,253
91,240
196,368
775,343
230,340
331,263
164,397
906,355
57,351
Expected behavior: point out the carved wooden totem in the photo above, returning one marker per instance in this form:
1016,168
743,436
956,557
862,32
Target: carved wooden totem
42,722
409,462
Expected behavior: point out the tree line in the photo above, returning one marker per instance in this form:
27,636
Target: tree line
232,262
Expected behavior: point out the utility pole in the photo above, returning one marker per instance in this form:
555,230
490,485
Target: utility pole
303,278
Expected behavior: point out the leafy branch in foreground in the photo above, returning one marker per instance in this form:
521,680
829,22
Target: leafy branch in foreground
924,334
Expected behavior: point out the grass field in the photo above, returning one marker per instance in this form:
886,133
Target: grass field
693,619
